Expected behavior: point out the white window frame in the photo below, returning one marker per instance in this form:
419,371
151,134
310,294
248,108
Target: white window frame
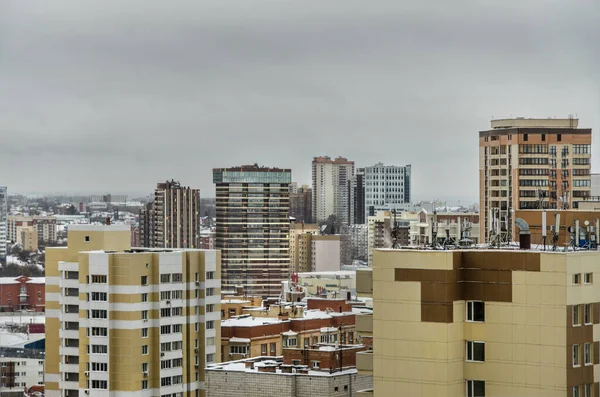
472,382
588,278
576,391
576,279
575,353
587,390
576,316
472,305
473,342
587,354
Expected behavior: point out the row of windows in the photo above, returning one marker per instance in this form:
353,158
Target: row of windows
587,278
171,278
534,182
582,183
168,329
587,314
587,354
582,149
99,367
168,295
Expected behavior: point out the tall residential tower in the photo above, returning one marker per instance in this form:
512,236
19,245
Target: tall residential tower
122,322
330,188
253,227
3,223
171,221
356,195
531,164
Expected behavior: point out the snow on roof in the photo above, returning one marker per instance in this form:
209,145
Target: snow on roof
22,318
264,361
249,321
340,273
13,280
290,333
325,330
240,301
239,340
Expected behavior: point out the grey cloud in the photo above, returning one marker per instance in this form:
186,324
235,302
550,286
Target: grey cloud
113,96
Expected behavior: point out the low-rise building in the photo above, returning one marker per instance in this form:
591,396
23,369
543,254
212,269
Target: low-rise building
20,369
269,376
22,293
449,227
328,284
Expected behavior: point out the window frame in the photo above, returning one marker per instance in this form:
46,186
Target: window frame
471,305
576,355
587,354
576,320
472,349
588,278
587,314
472,383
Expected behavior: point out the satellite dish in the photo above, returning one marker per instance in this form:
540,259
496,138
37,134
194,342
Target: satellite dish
571,229
522,225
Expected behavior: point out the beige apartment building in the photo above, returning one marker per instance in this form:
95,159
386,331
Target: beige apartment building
296,231
484,323
123,322
318,253
45,227
531,164
29,239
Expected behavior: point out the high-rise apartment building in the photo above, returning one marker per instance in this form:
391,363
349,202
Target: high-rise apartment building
531,164
124,322
3,225
484,323
253,227
45,227
387,187
330,188
171,221
301,203
356,195
296,231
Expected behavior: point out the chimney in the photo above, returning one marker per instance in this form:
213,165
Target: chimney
107,221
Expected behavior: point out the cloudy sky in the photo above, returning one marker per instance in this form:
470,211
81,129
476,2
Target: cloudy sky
113,96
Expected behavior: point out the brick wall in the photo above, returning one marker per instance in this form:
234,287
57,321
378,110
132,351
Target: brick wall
326,359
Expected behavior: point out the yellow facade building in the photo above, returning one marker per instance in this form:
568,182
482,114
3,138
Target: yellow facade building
123,322
484,323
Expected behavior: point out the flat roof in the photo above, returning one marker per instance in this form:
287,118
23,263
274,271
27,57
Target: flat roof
99,228
277,362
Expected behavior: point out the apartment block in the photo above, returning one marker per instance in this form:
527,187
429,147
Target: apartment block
379,232
172,219
330,182
253,227
301,203
3,223
317,253
387,188
298,244
125,322
531,164
447,227
44,226
485,323
20,368
356,195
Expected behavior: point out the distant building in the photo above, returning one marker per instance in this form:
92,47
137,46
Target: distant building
22,293
330,183
20,369
29,239
301,203
129,322
356,195
451,227
171,221
207,240
296,230
270,376
380,232
3,225
253,227
595,181
317,253
45,227
387,187
531,164
359,241
329,284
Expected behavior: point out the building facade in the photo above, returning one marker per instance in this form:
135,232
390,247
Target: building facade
448,228
172,220
485,323
531,164
301,203
387,187
44,226
298,245
253,227
330,182
22,293
125,322
317,253
356,195
20,369
380,232
3,225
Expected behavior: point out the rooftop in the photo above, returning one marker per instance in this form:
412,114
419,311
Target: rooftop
330,274
252,365
99,228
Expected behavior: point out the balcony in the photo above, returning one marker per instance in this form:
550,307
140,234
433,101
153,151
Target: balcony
364,362
68,334
68,351
73,368
68,385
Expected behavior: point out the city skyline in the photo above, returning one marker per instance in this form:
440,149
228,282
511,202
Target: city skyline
398,83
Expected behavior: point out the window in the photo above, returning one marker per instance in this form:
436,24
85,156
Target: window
99,367
210,341
144,385
99,384
165,278
210,291
525,137
210,275
86,239
165,381
475,351
475,388
587,278
587,313
144,280
177,311
177,277
165,364
543,137
576,316
291,342
99,296
165,329
576,362
263,349
177,362
236,349
177,379
575,391
587,390
165,347
210,308
165,312
144,297
98,279
587,354
99,314
99,349
165,295
210,324
315,364
559,137
177,328
210,358
145,349
475,311
296,362
144,367
99,331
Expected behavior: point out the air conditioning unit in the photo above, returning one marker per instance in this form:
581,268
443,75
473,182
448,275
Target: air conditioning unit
196,365
196,350
145,320
197,282
168,302
87,391
230,354
87,373
162,354
145,373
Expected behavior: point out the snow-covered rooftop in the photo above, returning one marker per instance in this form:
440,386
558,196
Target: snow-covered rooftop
330,274
249,321
264,361
237,301
13,280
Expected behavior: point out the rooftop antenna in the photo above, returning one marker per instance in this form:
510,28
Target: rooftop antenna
395,232
544,231
555,231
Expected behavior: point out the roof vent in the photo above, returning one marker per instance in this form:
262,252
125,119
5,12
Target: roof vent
524,234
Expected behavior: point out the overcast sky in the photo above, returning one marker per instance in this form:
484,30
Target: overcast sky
113,96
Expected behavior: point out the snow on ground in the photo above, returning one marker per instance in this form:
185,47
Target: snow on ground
22,318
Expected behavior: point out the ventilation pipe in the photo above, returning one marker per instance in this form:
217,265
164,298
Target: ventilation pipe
524,234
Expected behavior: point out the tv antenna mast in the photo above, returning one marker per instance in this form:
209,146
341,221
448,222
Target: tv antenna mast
395,232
